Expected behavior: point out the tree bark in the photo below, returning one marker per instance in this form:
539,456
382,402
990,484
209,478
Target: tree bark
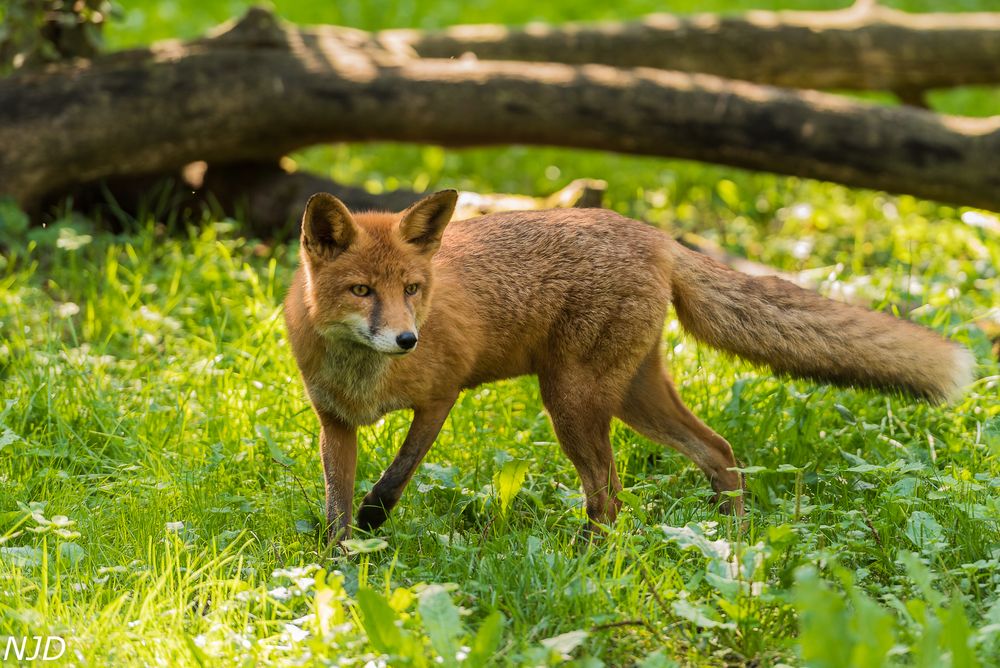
268,198
860,48
261,89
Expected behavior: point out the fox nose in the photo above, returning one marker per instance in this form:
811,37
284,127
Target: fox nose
406,340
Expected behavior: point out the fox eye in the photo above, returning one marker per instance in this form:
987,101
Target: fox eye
360,290
412,288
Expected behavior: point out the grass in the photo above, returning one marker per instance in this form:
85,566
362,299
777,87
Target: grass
161,487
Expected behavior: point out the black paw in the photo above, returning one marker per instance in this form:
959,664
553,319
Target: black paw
371,515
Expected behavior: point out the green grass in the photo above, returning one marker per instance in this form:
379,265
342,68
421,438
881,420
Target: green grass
160,487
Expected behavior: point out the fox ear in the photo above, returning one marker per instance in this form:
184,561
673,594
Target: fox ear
327,226
424,222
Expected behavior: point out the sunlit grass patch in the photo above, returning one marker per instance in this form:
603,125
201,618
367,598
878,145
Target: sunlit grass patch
158,462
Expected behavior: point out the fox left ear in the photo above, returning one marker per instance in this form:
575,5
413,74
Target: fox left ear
424,222
327,227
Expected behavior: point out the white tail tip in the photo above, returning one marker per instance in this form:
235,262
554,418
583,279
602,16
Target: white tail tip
963,373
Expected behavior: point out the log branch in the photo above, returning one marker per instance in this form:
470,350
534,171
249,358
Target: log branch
268,197
261,89
859,48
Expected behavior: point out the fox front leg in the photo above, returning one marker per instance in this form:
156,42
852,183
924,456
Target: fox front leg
339,450
427,421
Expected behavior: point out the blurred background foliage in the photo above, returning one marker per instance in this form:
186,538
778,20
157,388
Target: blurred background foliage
34,32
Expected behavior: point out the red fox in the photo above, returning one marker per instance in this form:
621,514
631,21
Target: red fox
391,311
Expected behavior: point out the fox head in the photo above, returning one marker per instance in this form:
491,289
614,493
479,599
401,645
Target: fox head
368,276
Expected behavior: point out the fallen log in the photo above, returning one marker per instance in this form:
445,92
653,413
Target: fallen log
261,89
268,197
859,48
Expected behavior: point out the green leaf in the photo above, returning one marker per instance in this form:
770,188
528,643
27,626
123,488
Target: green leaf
565,643
750,470
441,621
487,639
71,553
8,437
727,586
379,621
788,468
197,653
435,476
905,487
305,526
21,556
924,531
698,615
921,576
719,551
823,616
991,434
633,502
846,414
509,480
781,535
873,630
658,660
363,545
865,468
957,634
272,448
853,458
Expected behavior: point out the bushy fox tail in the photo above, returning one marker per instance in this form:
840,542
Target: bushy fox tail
773,322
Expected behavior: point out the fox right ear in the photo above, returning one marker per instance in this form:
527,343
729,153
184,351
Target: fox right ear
424,222
327,226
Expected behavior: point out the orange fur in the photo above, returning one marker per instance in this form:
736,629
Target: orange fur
577,297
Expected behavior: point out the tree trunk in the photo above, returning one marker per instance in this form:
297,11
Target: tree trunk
268,199
860,48
261,89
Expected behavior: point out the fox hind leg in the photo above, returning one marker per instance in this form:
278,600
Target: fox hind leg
653,408
583,425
